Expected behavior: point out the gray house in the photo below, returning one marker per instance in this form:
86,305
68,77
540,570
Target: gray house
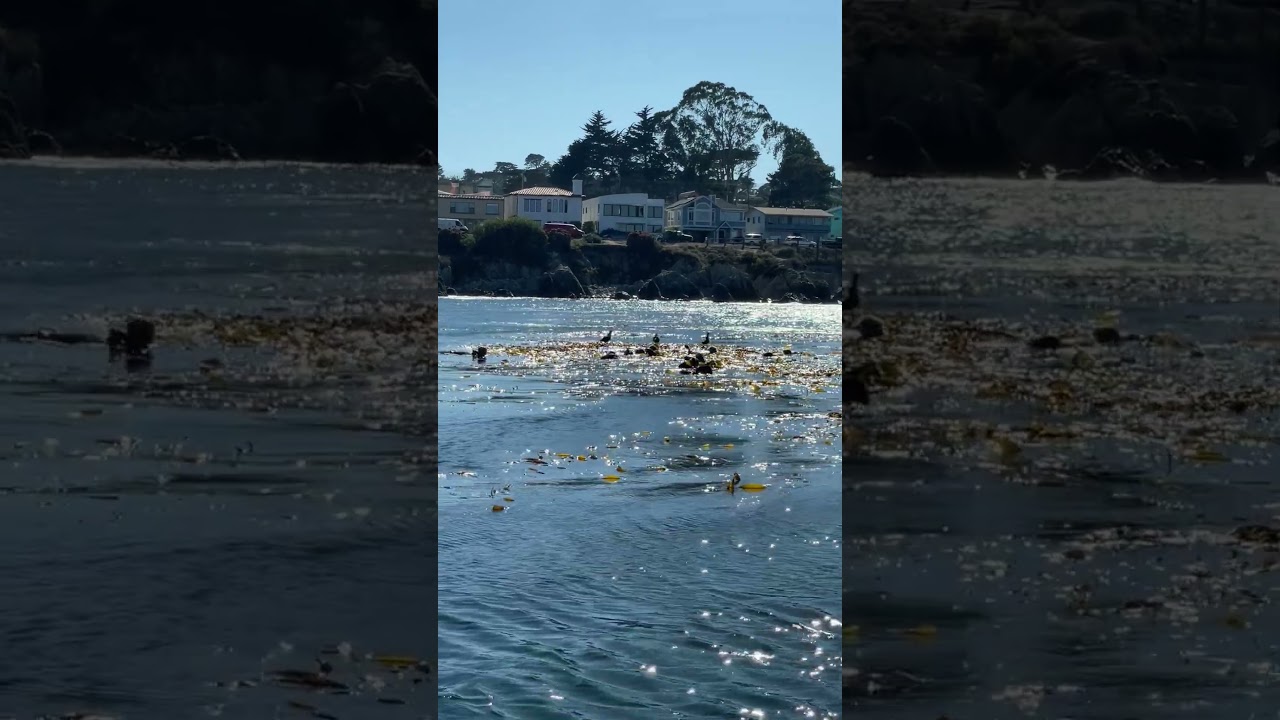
775,224
707,218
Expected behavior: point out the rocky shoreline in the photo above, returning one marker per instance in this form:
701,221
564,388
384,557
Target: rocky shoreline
1089,93
615,273
225,82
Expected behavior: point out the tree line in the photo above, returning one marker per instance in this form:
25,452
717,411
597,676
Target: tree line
709,142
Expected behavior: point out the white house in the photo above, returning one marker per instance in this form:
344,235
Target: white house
546,204
625,212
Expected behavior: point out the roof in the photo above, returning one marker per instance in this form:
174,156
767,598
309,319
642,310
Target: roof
556,192
797,212
720,203
466,196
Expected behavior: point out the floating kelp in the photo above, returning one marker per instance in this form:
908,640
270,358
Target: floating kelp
1156,387
759,371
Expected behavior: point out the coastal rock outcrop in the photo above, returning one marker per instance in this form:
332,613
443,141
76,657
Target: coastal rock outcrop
560,283
672,285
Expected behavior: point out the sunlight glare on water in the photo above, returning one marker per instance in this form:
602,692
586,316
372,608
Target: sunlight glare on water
619,579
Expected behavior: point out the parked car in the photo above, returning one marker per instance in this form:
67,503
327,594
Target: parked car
451,224
753,239
567,228
835,242
676,236
614,234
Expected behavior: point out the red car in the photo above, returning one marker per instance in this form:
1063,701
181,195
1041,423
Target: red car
566,228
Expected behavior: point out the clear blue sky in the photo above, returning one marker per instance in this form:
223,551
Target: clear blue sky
522,76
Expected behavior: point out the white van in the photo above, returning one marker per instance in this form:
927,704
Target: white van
451,224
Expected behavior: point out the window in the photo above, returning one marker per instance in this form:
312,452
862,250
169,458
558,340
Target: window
491,209
461,208
557,205
655,228
633,227
533,204
655,211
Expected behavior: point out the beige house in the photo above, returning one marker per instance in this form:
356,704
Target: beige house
471,208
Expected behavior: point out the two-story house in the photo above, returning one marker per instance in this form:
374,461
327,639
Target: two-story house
707,218
471,208
776,224
547,204
624,212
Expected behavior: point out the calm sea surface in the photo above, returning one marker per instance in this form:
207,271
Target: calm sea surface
1058,533
176,540
620,581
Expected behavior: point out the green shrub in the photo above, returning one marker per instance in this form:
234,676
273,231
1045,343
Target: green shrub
590,226
515,240
453,242
643,244
593,239
559,242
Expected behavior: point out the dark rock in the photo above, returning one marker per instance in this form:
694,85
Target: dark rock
207,147
1046,342
42,143
649,291
609,356
870,327
676,285
621,295
1267,156
720,293
1221,144
1106,335
13,136
1260,534
896,150
388,118
1113,162
733,278
857,391
560,283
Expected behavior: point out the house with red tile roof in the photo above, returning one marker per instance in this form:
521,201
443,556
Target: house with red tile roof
547,204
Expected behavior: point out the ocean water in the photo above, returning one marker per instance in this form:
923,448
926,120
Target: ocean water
619,580
177,539
1062,533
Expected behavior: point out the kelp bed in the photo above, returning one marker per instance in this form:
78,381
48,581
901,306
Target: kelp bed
1192,399
1104,511
373,361
761,371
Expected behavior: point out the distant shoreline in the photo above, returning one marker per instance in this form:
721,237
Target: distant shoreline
106,162
865,175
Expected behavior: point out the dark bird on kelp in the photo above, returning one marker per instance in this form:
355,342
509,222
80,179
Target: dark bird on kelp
733,483
134,342
608,337
479,353
706,340
657,340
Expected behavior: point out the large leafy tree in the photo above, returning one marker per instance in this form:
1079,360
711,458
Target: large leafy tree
802,178
716,134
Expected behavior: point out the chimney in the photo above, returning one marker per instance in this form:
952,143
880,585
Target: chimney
577,186
453,188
